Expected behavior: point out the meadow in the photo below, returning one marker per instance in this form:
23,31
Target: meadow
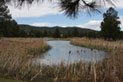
16,55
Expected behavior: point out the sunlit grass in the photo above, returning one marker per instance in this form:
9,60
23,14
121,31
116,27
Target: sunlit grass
112,67
15,59
16,62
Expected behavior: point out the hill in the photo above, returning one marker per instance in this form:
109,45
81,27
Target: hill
28,28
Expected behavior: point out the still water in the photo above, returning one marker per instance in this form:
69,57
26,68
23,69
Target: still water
63,51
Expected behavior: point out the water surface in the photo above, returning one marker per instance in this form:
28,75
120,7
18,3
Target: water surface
63,51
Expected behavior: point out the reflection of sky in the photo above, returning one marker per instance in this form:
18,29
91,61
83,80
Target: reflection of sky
60,53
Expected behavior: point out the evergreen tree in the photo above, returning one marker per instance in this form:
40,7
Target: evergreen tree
49,34
23,33
4,18
8,26
75,32
45,33
32,33
110,28
57,33
38,33
14,29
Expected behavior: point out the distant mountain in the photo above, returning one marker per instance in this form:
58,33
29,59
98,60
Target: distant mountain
28,28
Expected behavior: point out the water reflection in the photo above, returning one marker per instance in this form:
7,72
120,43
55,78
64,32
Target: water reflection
63,51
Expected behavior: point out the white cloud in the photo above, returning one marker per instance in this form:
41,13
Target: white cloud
47,24
35,10
41,9
119,4
93,24
41,24
121,19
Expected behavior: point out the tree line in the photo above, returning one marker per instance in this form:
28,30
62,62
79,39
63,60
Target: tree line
110,27
8,26
57,33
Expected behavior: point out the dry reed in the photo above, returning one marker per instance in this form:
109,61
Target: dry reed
15,59
16,62
112,68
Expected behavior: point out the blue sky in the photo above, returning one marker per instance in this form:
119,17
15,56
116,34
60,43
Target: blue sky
47,14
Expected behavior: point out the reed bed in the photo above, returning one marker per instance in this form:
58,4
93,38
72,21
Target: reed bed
15,61
98,44
16,56
111,67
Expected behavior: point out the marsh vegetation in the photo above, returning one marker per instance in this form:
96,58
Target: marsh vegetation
17,55
16,62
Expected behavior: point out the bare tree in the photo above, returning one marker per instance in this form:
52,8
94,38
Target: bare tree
70,7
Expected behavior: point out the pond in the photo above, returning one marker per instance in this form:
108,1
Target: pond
63,51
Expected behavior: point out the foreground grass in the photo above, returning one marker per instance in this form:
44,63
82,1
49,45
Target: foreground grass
113,66
16,62
3,79
16,56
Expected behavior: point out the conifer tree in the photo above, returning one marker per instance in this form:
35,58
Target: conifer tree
110,28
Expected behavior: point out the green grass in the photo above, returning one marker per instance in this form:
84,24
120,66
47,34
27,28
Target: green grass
3,79
37,51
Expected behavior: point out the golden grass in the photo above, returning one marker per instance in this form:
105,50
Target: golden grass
113,66
98,43
15,61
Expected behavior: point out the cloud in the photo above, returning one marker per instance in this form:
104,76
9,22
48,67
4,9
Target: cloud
35,10
41,24
121,19
93,24
42,9
47,24
119,4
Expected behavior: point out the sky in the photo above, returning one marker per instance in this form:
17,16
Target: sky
48,14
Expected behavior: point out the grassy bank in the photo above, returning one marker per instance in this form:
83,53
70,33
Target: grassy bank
113,65
16,56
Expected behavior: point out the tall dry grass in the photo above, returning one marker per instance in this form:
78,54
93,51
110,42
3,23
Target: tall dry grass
16,58
111,68
15,61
